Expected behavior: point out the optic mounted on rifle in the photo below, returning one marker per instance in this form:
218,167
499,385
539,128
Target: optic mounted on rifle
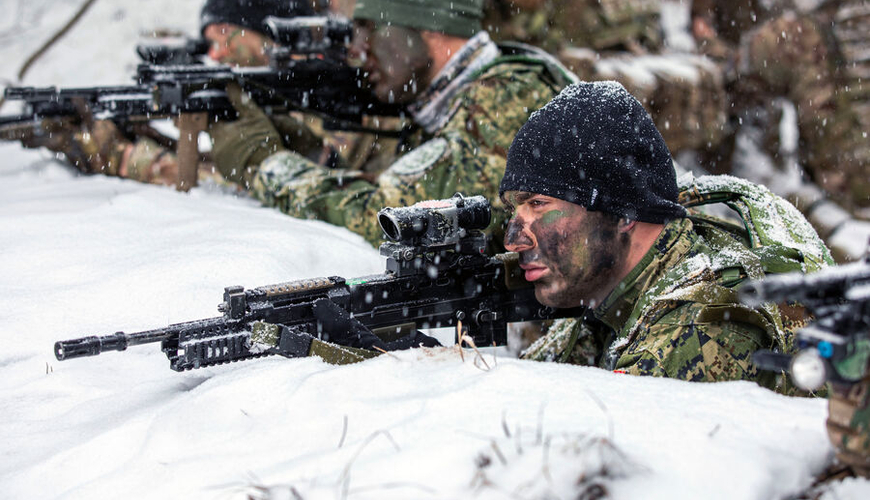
173,51
307,35
434,234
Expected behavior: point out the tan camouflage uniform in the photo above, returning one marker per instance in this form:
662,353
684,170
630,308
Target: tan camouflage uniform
815,62
468,118
555,24
677,313
849,424
622,40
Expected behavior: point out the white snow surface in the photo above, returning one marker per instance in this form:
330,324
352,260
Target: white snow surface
93,255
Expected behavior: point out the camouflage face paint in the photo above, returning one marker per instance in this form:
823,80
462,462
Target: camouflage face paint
552,217
401,63
581,250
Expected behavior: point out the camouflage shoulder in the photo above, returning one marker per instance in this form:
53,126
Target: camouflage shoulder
519,58
697,342
567,340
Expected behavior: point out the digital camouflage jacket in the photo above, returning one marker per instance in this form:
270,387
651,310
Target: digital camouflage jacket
468,118
677,313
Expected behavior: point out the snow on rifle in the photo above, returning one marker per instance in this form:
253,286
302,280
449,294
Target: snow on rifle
437,274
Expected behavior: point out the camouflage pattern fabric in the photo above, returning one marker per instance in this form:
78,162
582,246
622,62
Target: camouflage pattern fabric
848,424
684,94
703,336
677,313
814,61
596,24
467,153
620,40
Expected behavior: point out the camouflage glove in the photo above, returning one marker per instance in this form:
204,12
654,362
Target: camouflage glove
242,144
100,148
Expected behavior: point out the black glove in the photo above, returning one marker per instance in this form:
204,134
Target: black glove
336,325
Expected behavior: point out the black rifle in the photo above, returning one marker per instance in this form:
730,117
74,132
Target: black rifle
438,274
174,51
835,347
308,75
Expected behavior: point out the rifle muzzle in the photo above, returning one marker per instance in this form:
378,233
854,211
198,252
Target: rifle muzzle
89,346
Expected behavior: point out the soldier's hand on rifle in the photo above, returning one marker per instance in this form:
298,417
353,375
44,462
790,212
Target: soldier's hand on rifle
100,148
337,326
245,142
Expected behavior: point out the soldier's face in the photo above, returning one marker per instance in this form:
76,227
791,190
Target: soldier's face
570,254
396,61
237,46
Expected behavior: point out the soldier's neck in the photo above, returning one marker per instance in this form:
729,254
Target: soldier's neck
441,48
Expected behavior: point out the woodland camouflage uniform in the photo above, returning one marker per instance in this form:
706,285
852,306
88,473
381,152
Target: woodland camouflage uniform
467,120
676,314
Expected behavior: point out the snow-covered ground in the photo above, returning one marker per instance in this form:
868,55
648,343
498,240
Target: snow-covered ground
93,255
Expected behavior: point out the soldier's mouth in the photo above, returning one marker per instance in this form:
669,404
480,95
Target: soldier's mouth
533,271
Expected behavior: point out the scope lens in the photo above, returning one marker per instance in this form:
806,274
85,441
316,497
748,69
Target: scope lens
390,226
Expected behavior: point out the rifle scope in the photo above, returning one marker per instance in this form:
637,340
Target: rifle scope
436,222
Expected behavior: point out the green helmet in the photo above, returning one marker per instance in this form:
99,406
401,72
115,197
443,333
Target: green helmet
455,17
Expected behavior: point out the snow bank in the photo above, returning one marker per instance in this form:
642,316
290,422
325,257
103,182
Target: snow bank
92,255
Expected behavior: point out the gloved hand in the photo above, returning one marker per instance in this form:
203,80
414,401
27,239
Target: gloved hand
99,148
336,325
245,142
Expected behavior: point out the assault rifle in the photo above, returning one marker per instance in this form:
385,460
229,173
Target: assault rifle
437,274
309,74
835,347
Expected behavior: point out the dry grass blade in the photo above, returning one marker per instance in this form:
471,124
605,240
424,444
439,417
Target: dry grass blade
382,351
600,403
459,336
343,432
498,453
478,357
344,480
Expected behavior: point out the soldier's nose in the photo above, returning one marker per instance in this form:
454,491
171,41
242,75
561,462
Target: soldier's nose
516,237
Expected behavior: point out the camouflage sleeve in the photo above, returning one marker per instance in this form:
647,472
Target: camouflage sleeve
697,352
467,154
686,350
570,341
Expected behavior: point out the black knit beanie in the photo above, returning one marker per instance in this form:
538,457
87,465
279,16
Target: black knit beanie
595,145
251,13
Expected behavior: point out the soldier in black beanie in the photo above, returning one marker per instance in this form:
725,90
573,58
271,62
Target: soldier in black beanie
251,13
600,183
597,222
235,27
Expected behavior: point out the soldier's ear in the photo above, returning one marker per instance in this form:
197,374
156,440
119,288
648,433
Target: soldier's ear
625,225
